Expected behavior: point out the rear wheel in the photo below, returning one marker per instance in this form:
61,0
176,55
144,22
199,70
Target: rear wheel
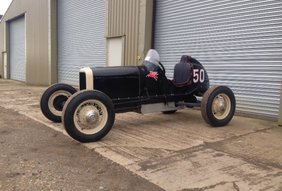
218,106
88,116
53,99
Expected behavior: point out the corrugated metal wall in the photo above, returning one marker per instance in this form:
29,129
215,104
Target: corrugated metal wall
17,49
123,20
81,37
239,42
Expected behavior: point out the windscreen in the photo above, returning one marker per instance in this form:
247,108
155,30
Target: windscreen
153,57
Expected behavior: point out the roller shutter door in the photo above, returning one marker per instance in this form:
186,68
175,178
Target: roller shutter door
17,49
239,43
81,37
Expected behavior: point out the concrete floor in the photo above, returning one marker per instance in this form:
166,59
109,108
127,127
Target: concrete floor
180,151
34,157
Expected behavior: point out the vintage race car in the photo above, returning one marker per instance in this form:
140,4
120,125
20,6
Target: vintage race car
89,114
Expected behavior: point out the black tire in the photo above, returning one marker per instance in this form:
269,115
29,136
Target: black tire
218,106
169,112
88,116
53,100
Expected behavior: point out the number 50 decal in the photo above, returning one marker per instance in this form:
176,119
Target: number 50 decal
198,75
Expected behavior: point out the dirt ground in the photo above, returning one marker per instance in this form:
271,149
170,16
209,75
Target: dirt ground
35,157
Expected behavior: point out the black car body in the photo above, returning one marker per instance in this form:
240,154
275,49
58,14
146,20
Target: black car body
130,88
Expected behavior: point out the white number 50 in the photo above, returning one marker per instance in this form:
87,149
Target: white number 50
198,75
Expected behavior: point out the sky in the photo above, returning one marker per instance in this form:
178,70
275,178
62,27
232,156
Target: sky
4,4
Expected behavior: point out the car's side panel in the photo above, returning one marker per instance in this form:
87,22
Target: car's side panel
200,78
117,82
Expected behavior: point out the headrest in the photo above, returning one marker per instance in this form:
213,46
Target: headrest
185,59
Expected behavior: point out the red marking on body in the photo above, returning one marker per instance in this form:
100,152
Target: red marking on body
153,75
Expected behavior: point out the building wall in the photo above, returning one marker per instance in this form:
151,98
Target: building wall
37,39
131,20
238,42
1,50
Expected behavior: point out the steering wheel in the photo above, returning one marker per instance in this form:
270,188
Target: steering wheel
162,66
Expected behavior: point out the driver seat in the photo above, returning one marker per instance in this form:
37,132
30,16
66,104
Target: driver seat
183,72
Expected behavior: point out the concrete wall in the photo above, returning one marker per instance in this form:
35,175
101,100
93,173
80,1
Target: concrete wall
38,56
131,20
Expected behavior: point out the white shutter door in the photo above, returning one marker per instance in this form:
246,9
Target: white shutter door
81,37
17,49
239,42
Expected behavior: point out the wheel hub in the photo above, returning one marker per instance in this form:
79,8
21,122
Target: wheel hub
92,117
221,106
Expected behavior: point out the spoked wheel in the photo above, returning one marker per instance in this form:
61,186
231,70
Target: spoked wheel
88,116
218,106
53,100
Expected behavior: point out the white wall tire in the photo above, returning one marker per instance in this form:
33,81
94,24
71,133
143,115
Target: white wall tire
53,100
88,116
218,106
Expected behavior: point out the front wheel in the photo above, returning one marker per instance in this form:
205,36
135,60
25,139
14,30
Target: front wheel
218,106
88,116
53,99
